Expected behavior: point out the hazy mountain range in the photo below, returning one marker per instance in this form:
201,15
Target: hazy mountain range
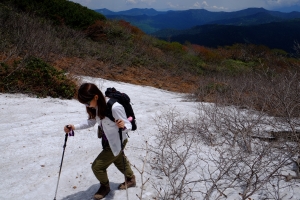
253,25
157,20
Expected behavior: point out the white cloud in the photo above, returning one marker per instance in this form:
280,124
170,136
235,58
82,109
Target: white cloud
219,8
172,5
197,5
204,3
131,1
283,2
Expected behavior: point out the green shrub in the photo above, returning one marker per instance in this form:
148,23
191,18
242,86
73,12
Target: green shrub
175,47
234,67
38,78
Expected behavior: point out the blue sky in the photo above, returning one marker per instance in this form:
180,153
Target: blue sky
211,5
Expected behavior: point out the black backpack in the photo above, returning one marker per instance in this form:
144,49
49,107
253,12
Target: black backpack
124,100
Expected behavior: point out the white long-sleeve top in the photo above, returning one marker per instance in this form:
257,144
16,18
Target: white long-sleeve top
110,128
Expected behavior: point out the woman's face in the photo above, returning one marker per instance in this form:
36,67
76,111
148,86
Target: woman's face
93,103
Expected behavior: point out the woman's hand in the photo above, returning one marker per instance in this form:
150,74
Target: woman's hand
120,123
68,128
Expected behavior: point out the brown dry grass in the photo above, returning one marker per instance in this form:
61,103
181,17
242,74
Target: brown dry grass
159,78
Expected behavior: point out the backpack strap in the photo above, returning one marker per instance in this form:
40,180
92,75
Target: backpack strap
109,105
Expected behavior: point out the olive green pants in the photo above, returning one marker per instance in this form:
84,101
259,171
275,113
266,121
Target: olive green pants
105,159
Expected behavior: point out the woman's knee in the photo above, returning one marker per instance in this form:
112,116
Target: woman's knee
97,167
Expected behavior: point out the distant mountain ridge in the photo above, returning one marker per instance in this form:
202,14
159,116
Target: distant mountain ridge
131,12
212,29
290,8
275,35
150,20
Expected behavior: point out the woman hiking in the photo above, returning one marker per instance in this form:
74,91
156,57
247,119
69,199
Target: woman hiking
95,102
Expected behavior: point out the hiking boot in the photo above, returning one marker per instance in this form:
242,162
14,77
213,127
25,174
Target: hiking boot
102,192
130,183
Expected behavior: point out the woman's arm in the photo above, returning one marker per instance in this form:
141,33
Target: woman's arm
85,124
118,113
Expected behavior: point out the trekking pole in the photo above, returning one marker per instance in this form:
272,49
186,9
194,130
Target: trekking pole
62,158
123,154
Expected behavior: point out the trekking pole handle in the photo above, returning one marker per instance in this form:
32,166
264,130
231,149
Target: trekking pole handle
66,136
71,132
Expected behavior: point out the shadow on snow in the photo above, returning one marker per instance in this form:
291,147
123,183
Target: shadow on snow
89,193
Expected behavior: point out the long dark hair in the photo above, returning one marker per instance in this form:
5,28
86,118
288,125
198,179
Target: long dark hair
86,93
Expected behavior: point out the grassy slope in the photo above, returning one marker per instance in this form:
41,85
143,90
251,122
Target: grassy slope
118,51
108,49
